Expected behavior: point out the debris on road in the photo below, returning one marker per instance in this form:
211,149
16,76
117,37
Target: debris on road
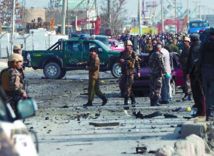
177,109
170,116
152,115
104,124
141,150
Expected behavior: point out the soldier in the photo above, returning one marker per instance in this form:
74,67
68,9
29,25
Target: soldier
11,81
93,87
171,47
148,46
157,70
207,69
18,50
191,72
128,61
184,56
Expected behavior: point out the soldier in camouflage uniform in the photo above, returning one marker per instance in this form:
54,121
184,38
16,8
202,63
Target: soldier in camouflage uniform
148,46
184,57
128,61
18,50
11,80
157,70
93,87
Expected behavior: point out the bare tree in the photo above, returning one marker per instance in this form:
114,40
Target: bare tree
118,15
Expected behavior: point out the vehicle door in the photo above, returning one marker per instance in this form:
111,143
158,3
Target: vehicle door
175,61
73,53
100,51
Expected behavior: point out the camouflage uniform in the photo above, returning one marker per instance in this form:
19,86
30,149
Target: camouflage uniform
157,70
128,70
15,90
148,48
184,57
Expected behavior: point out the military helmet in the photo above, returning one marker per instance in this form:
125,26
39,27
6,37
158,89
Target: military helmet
16,47
128,43
15,58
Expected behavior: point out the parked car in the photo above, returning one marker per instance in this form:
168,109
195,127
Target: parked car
15,138
141,85
115,45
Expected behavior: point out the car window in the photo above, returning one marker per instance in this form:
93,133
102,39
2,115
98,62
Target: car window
74,46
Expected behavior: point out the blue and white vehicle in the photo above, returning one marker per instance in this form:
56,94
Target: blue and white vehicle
197,26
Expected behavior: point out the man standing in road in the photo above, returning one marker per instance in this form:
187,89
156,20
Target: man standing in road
166,89
148,46
11,81
184,56
128,61
191,72
157,70
93,87
207,68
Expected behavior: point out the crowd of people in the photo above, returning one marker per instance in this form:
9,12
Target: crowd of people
196,63
196,58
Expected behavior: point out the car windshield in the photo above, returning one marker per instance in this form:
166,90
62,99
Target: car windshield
102,39
198,24
103,45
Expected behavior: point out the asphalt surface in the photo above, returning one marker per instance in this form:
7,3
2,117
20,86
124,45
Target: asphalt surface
62,124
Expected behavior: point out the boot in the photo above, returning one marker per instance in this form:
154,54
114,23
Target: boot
126,100
210,115
155,103
133,101
105,100
190,97
89,103
185,98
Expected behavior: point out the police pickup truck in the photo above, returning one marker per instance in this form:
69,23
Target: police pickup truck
64,55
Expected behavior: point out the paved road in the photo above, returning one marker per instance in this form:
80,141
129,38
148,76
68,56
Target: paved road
63,126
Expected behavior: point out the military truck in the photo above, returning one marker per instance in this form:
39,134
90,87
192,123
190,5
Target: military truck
64,55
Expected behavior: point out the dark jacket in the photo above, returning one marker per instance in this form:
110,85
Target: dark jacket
193,55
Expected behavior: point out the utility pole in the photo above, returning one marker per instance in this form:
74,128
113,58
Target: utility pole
140,11
162,20
188,12
13,26
109,13
63,17
176,14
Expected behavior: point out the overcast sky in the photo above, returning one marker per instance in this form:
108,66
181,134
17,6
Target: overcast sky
131,6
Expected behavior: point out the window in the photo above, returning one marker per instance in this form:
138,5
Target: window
88,45
74,46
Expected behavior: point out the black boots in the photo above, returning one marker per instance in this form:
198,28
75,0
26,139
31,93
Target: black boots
105,100
133,101
154,102
187,97
210,115
89,103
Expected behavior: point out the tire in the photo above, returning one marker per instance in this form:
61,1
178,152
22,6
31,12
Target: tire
116,70
52,70
62,74
173,87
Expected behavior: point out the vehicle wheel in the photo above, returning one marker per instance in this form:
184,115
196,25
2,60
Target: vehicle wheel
173,87
52,70
116,70
62,74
